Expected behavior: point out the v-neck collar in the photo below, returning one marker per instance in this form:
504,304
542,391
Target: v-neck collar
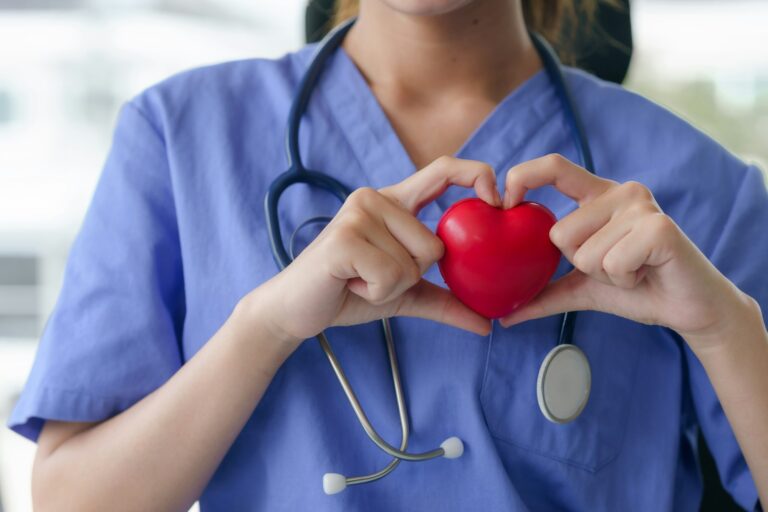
381,154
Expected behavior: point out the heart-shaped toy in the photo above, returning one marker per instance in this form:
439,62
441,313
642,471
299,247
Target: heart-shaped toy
497,260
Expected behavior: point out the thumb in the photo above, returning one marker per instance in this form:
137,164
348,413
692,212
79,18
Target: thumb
429,301
572,292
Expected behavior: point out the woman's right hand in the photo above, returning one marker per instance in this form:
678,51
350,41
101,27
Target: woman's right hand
369,260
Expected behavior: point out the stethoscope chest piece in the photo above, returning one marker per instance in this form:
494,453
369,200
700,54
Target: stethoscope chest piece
564,382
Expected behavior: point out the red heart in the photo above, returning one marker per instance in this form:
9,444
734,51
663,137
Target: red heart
497,260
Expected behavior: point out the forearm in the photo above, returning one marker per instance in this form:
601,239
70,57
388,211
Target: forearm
737,366
160,453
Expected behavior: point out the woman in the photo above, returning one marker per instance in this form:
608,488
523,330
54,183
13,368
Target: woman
174,366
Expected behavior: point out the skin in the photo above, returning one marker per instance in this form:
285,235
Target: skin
631,260
443,73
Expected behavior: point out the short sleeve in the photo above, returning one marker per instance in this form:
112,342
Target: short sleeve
113,336
741,254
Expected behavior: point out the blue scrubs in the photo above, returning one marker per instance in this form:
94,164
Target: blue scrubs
176,235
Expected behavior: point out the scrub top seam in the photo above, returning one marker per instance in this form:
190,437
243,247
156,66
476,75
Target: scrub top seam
492,120
365,97
514,158
340,129
545,455
146,118
46,388
178,314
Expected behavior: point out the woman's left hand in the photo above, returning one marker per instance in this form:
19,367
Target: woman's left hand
630,258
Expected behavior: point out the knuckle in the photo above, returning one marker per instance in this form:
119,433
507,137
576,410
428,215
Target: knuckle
443,162
637,209
661,224
354,217
626,280
554,160
440,165
584,262
387,277
340,237
377,295
362,196
486,168
612,264
391,274
636,190
753,304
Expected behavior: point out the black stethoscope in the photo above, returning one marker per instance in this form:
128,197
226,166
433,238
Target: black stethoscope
564,379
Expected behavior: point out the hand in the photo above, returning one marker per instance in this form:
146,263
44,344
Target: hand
630,258
368,262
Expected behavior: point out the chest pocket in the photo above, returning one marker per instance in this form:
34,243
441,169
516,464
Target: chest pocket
508,393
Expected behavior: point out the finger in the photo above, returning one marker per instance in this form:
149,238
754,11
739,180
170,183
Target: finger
423,246
414,265
567,177
589,257
623,259
386,223
429,301
571,292
570,232
645,245
429,183
372,274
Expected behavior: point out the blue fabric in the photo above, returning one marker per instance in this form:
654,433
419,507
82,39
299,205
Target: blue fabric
176,235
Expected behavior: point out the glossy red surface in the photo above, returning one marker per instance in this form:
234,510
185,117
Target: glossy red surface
497,260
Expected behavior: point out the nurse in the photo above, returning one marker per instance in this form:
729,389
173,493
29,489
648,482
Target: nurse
174,367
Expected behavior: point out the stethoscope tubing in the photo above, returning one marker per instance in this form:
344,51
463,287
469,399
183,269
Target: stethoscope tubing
297,173
291,177
329,45
580,142
401,407
360,412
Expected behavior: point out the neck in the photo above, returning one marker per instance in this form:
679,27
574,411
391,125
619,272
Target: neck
481,50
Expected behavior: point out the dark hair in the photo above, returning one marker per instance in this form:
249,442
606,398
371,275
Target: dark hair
556,20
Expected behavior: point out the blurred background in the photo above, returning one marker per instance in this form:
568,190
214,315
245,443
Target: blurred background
68,65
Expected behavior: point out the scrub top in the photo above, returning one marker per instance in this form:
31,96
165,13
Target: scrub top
176,234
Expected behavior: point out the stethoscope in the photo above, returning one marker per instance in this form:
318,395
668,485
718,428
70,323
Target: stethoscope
564,379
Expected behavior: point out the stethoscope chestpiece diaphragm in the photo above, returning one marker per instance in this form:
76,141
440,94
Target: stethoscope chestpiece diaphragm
564,383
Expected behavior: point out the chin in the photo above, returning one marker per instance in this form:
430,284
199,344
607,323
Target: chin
426,7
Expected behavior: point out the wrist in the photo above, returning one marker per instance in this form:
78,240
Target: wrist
252,314
738,321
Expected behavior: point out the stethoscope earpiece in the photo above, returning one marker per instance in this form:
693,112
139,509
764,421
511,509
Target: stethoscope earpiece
453,448
334,483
